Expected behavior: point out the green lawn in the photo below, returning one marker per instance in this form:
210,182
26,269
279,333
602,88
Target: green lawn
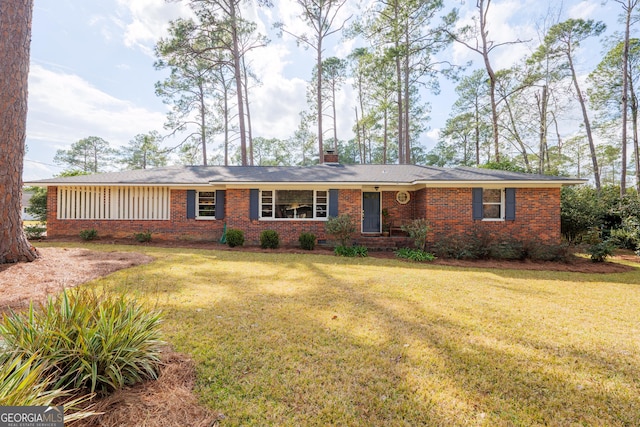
321,340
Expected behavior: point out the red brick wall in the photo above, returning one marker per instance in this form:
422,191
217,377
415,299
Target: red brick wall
449,213
178,227
447,209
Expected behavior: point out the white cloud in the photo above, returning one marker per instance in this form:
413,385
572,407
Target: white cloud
147,21
503,28
64,108
583,10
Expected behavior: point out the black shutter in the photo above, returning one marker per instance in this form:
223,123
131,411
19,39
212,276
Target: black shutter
191,204
476,203
254,203
510,204
333,203
220,204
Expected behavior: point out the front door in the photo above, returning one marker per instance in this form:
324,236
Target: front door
371,212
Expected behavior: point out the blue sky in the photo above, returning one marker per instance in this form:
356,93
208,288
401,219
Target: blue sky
92,68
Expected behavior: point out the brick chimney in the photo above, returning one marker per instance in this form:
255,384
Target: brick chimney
330,156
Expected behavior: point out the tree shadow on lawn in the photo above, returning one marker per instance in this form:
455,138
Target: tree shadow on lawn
610,272
337,352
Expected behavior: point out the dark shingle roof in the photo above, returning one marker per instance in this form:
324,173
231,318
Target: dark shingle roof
327,173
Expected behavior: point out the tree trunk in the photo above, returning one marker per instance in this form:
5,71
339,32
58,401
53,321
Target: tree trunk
246,100
477,131
203,124
587,123
634,120
492,78
625,101
237,70
407,138
319,101
542,108
15,37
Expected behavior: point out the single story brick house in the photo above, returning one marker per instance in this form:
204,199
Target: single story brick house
197,202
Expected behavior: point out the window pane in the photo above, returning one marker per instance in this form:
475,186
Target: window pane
491,211
321,204
207,203
267,204
294,204
492,196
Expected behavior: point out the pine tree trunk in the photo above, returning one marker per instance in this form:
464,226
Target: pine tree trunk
587,124
237,71
15,36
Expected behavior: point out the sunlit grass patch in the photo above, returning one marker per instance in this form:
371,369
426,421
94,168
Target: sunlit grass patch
320,340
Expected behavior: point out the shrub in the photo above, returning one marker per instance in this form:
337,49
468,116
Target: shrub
476,245
87,341
269,239
351,251
538,251
142,237
307,241
508,250
235,237
600,251
627,236
91,234
37,203
418,230
341,228
414,254
34,232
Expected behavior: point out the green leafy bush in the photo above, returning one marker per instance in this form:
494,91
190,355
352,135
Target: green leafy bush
627,236
91,234
34,232
507,250
600,251
475,245
538,251
414,254
418,230
341,228
37,203
269,239
307,241
142,237
351,251
235,237
87,341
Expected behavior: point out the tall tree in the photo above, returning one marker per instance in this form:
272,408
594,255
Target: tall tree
335,74
91,154
15,38
627,6
322,17
476,38
188,87
143,151
606,92
560,44
403,32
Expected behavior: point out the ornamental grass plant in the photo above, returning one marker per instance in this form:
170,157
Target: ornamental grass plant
85,340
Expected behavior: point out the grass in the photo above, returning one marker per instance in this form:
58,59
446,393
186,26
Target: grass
322,340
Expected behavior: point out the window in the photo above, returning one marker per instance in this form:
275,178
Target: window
492,203
403,197
206,204
294,204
